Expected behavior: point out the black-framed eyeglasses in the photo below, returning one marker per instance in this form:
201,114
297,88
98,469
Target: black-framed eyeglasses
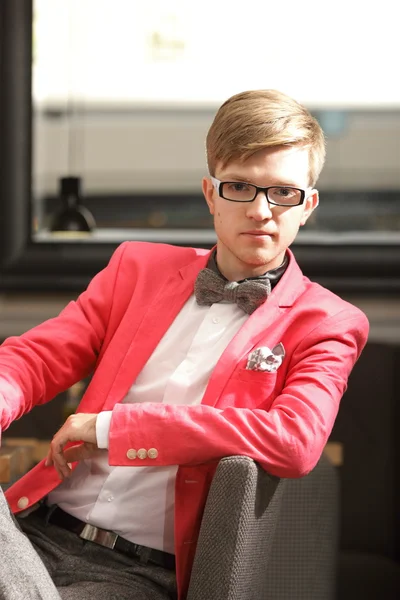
239,191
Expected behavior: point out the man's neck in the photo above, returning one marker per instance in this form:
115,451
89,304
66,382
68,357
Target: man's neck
275,273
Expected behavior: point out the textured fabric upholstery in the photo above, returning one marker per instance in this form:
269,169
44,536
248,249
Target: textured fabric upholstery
240,517
305,549
267,539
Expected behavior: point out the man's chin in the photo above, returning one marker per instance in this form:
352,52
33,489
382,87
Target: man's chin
262,260
257,259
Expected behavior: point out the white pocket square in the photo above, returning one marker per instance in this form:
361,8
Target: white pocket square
264,359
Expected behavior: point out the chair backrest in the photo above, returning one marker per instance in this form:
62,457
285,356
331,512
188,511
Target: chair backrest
241,513
264,538
305,549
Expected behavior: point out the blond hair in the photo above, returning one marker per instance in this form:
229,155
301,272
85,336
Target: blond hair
253,120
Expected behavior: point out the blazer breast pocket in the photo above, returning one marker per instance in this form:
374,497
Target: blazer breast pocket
261,377
249,389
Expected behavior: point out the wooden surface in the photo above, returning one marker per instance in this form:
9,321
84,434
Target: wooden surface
37,448
10,463
334,451
18,455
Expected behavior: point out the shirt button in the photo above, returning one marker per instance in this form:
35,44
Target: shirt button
23,502
152,453
110,498
131,454
142,453
216,320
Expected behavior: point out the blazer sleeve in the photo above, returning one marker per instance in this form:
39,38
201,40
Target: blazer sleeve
49,358
287,439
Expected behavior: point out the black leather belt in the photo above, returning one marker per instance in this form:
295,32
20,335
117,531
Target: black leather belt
109,539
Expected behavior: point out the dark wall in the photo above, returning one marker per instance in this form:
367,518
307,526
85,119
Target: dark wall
368,427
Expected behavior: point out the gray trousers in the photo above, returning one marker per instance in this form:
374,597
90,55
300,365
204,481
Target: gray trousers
79,569
23,576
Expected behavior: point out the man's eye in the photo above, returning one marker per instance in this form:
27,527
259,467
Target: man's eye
285,192
239,187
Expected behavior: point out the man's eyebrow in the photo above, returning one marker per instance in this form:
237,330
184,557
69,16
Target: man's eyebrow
235,177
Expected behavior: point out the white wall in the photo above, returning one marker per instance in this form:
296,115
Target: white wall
165,150
172,62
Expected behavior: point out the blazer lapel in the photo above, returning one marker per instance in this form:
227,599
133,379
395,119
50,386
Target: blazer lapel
160,314
249,335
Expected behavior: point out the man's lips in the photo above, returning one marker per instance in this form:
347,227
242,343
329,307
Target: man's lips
257,232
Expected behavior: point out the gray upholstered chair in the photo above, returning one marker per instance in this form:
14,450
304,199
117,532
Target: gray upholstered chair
264,538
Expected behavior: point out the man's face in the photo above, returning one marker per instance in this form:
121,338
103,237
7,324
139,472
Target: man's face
253,236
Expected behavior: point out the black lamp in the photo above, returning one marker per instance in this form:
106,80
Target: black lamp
72,216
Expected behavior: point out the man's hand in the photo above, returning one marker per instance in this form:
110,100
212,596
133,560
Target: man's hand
77,428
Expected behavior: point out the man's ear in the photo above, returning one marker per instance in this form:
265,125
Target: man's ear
311,204
208,191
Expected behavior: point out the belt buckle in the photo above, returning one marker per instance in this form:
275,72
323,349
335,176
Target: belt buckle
99,536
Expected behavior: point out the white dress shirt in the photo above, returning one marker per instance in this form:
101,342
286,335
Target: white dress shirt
138,502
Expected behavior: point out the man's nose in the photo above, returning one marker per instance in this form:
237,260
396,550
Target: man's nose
260,208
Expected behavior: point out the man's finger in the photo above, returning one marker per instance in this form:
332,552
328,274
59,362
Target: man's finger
80,452
76,428
57,455
49,459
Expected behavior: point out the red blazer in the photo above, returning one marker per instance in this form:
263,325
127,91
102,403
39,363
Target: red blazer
282,419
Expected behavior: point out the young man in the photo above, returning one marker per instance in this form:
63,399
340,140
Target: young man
188,366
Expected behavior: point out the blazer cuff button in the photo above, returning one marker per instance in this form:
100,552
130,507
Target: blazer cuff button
23,502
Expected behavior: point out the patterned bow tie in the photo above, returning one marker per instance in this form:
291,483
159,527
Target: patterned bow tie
249,294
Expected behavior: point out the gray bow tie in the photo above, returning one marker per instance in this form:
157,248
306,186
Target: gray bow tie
210,288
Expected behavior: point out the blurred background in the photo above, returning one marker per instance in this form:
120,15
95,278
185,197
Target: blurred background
124,93
105,105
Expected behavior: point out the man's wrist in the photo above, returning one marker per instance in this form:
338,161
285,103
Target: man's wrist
103,423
